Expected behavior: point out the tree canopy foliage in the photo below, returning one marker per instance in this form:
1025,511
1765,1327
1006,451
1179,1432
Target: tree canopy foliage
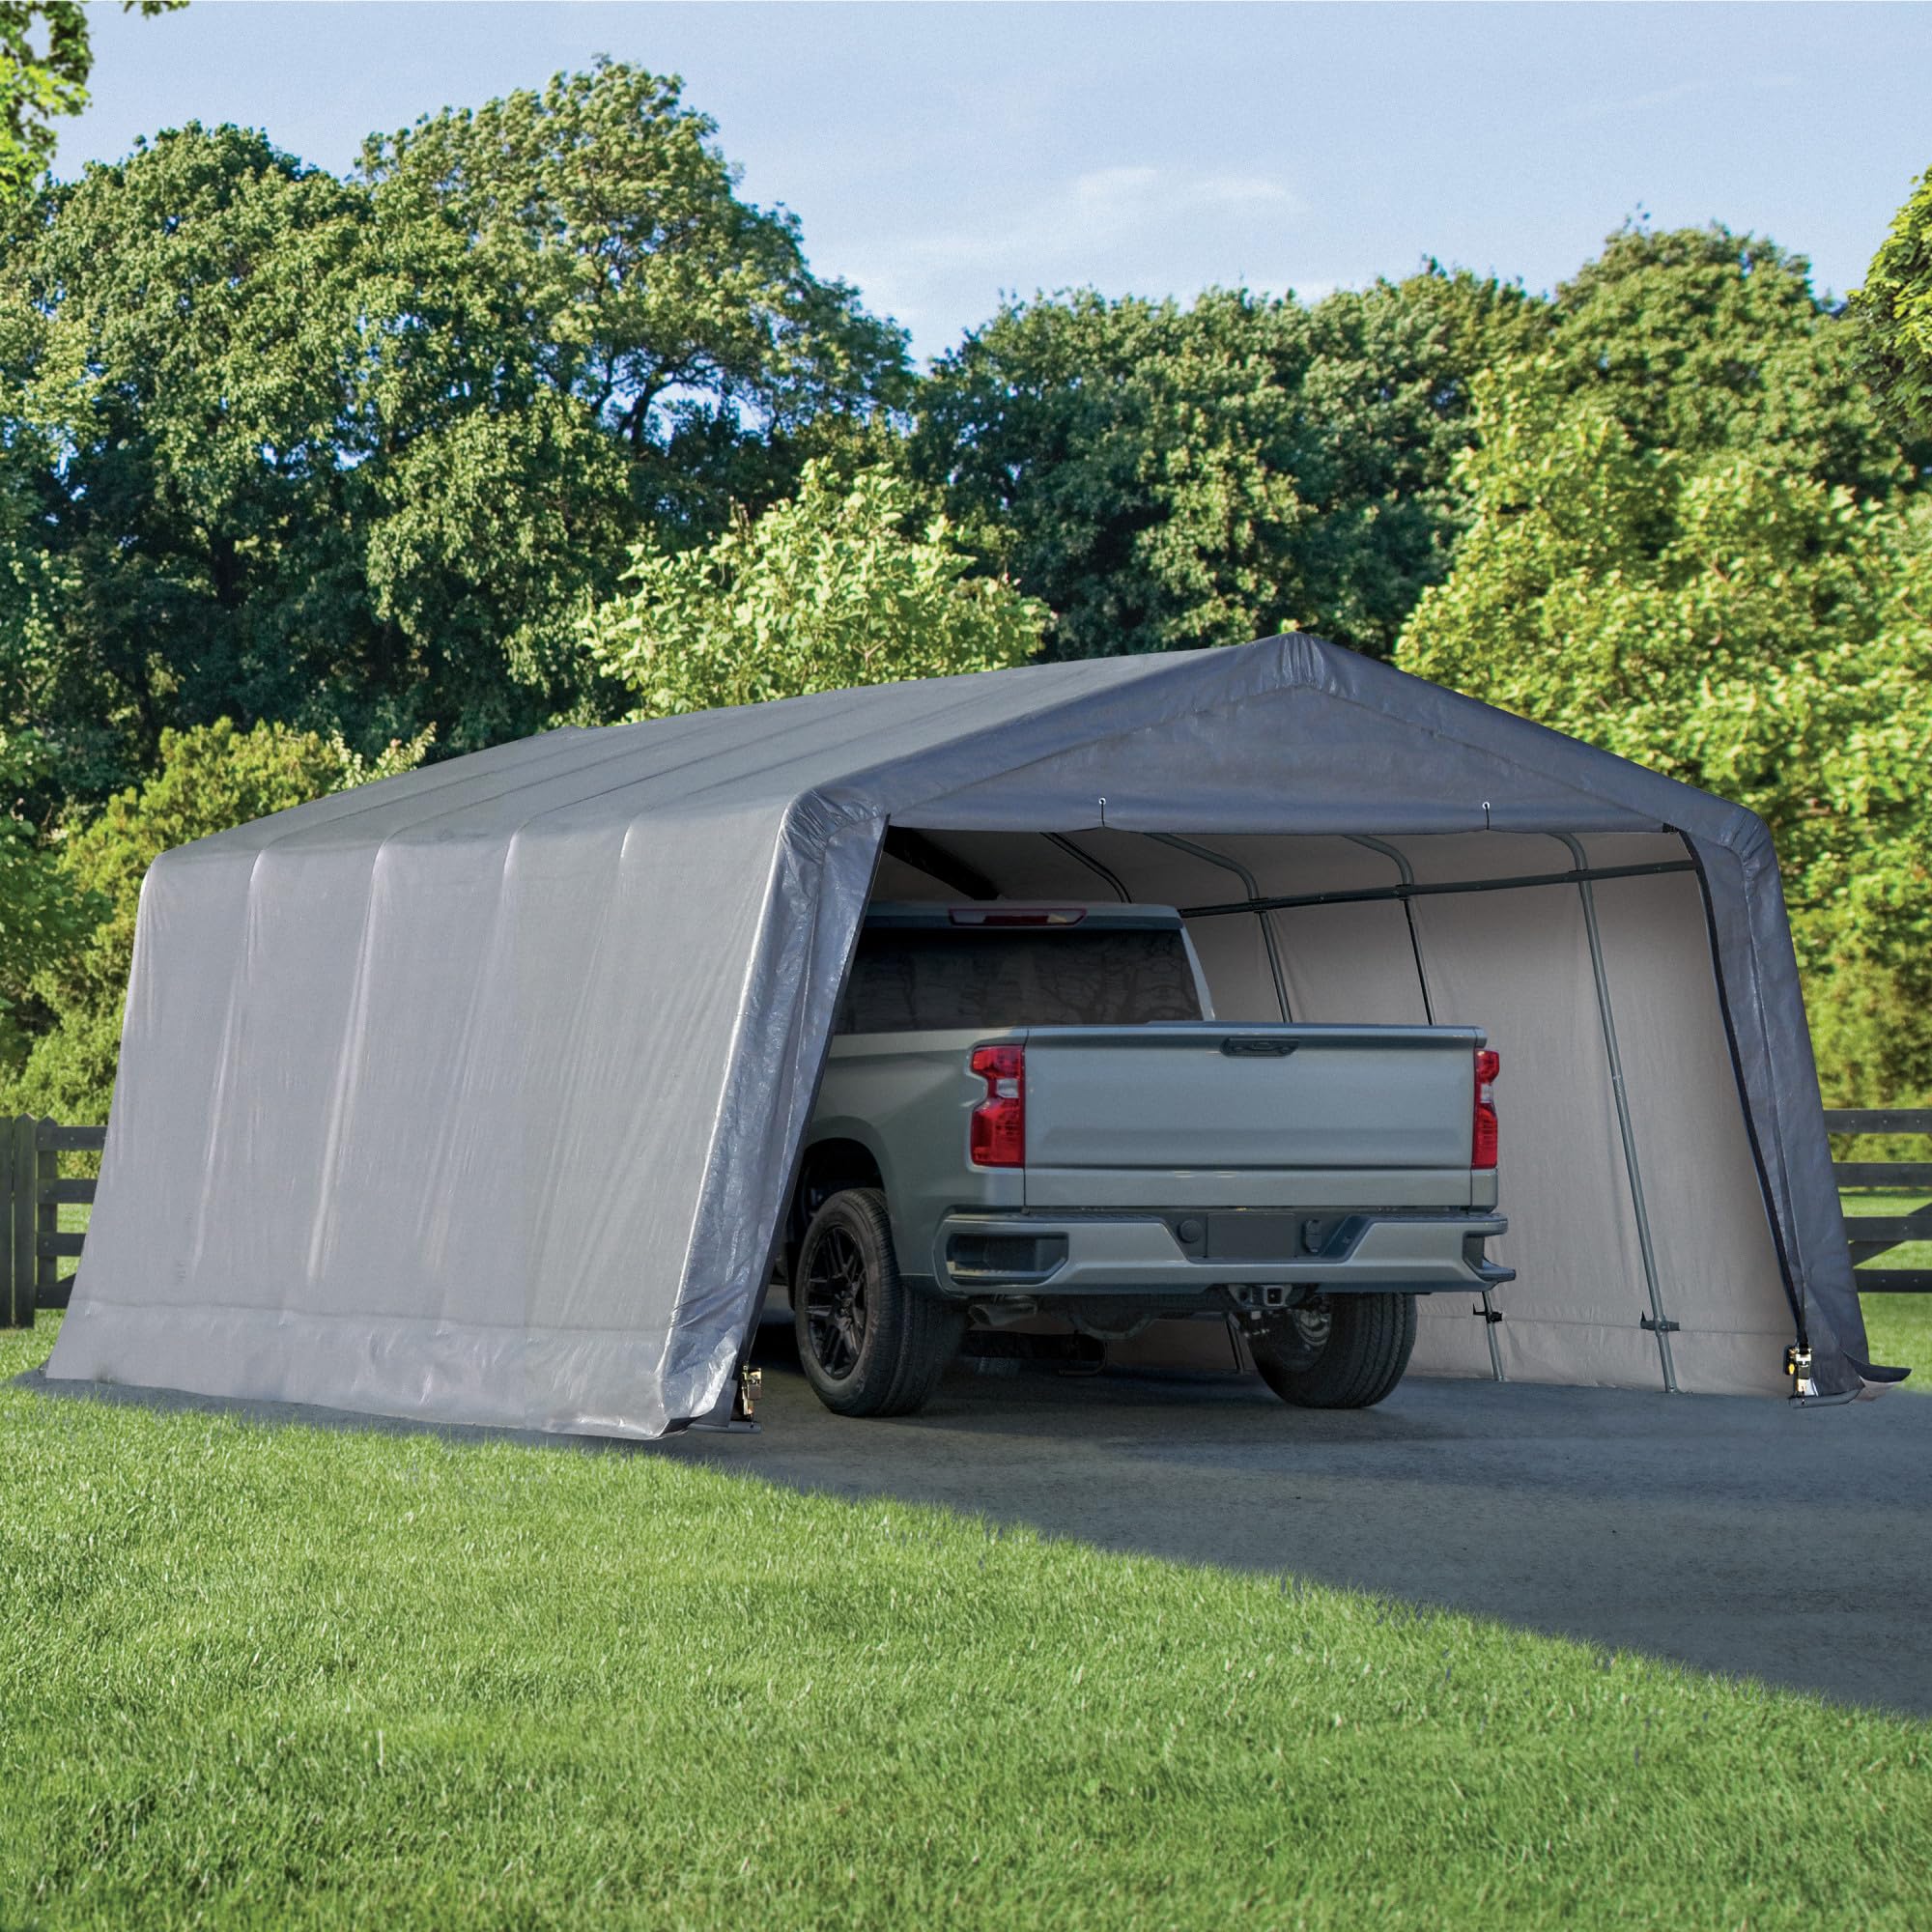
1692,541
846,583
1720,616
356,454
43,918
1895,308
531,416
1702,340
1165,477
46,57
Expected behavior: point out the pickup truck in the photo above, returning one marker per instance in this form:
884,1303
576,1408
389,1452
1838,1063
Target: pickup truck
1030,1110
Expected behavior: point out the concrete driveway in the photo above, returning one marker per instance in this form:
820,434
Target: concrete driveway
1739,1536
1736,1535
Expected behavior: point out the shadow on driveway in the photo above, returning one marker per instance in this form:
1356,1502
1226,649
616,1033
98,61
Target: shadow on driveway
1736,1535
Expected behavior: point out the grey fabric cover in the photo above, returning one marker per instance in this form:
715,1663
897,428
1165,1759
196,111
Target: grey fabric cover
475,1094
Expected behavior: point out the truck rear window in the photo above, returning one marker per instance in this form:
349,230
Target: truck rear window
910,980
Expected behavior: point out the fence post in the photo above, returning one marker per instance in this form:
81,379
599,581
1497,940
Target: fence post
5,1224
16,1143
47,1219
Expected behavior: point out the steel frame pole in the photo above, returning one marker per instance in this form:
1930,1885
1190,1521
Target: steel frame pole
1659,1324
1247,878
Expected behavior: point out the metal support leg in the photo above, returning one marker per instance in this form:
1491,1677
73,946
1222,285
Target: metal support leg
1659,1324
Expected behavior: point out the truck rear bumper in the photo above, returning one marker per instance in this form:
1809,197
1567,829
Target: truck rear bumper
1196,1252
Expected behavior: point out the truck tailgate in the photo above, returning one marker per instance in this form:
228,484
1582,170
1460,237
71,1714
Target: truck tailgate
1184,1097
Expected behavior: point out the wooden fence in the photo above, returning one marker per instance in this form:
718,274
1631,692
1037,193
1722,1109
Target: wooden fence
32,1191
1872,1235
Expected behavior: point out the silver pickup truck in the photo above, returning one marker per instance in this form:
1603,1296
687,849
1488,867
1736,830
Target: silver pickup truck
1030,1110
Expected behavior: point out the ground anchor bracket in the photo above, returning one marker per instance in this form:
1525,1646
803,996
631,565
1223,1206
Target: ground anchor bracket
750,1387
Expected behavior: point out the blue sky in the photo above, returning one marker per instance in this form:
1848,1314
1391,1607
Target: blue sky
938,155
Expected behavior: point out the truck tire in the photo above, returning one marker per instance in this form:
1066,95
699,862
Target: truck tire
1346,1352
869,1343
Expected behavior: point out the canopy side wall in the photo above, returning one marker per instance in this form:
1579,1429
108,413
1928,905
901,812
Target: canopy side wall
513,1252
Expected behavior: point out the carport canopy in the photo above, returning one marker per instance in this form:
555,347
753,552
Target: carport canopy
475,1095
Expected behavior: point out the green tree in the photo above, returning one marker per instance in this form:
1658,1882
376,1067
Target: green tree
1703,340
581,333
43,914
1167,477
589,239
844,585
1894,310
46,57
356,454
207,780
1752,630
1694,544
183,370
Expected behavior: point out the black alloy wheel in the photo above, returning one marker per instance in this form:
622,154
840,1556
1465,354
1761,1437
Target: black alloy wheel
835,1301
869,1342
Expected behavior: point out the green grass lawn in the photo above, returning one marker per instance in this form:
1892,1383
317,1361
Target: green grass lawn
282,1677
1899,1329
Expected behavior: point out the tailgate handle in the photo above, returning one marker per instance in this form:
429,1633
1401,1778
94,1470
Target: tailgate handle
1256,1046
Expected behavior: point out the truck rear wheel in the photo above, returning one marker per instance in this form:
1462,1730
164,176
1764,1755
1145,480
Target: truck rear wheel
869,1343
1342,1351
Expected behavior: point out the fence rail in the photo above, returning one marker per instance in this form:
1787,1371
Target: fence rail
1872,1235
32,1193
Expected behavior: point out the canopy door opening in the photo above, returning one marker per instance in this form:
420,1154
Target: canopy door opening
1643,1251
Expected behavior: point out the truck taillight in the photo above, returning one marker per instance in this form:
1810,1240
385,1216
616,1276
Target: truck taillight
1483,1128
998,1122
